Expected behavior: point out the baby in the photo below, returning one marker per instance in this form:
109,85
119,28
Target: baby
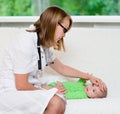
80,90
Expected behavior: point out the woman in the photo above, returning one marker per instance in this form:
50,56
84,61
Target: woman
23,65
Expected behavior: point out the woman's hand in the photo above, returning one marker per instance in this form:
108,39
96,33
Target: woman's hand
61,88
98,82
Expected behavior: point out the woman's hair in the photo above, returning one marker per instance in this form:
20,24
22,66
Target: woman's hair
46,26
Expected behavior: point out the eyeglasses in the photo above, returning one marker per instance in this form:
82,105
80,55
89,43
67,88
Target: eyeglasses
64,29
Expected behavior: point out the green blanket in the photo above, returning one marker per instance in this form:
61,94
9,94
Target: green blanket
75,90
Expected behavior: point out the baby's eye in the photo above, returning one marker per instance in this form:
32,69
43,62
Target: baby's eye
93,90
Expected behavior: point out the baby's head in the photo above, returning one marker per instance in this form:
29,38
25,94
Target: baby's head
94,91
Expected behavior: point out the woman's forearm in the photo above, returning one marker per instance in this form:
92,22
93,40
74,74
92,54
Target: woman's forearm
21,81
72,72
69,71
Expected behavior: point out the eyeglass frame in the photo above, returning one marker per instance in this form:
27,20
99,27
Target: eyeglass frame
64,29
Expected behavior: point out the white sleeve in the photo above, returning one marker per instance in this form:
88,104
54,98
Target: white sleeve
22,54
49,54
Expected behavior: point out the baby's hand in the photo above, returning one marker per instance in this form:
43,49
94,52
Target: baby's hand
61,88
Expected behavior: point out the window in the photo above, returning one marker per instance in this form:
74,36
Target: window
73,7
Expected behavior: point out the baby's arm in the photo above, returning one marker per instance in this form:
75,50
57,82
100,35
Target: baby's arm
61,88
58,85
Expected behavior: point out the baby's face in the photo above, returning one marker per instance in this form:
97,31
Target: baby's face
93,91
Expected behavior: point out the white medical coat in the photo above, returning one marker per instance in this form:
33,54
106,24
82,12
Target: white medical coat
21,56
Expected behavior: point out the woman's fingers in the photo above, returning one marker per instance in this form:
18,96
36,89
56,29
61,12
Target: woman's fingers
101,84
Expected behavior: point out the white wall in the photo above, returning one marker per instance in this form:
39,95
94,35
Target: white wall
96,47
